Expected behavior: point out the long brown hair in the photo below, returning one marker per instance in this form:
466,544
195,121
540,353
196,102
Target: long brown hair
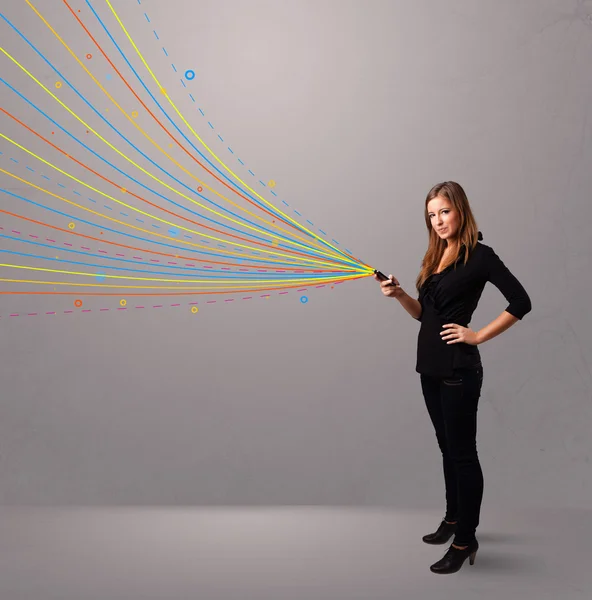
467,233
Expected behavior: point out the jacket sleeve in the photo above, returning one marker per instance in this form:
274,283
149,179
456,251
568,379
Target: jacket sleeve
508,285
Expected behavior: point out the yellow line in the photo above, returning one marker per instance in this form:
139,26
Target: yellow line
242,256
263,282
135,124
203,142
131,161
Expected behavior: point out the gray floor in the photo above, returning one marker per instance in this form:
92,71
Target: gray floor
292,553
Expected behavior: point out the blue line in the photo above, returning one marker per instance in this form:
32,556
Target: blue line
348,261
147,19
312,252
175,125
136,237
156,34
183,83
191,96
240,161
172,65
251,172
219,136
195,271
164,50
203,114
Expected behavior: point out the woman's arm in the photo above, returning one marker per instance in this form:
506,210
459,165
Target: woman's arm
497,326
411,305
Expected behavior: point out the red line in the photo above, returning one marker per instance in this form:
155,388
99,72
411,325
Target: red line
293,252
232,189
126,294
90,237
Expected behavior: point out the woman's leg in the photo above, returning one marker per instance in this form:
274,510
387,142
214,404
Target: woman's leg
432,395
460,399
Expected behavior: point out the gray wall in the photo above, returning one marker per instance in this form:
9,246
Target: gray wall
356,109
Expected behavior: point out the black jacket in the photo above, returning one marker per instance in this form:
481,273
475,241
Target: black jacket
451,297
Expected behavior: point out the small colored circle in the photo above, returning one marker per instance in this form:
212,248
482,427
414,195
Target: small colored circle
78,303
108,77
101,277
200,189
89,56
134,114
304,299
71,225
271,183
123,302
189,74
162,90
123,190
58,84
194,309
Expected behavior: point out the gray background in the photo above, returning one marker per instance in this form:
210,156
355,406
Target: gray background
356,109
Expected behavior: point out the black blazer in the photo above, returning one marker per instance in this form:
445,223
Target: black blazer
451,297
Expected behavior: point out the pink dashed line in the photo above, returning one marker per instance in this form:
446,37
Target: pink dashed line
13,231
66,244
53,241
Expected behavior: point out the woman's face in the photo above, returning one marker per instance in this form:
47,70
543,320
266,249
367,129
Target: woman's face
444,218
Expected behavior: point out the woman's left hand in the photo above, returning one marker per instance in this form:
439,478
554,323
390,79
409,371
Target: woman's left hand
457,333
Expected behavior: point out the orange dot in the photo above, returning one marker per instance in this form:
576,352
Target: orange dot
89,56
101,233
78,303
52,132
200,189
123,190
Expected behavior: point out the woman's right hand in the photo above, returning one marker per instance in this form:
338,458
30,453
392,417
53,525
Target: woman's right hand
391,288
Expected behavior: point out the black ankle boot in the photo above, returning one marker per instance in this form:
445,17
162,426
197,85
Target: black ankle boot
442,535
454,558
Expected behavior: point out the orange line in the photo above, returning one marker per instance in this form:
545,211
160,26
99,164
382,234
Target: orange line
90,237
293,252
165,129
319,246
125,294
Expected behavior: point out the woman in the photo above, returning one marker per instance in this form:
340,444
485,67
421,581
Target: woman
454,272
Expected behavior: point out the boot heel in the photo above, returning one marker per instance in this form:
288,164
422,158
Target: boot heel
472,558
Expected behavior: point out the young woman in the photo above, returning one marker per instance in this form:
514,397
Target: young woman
453,273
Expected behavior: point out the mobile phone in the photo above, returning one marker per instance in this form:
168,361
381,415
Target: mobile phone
382,276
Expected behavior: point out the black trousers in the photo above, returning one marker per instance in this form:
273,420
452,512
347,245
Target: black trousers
452,405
